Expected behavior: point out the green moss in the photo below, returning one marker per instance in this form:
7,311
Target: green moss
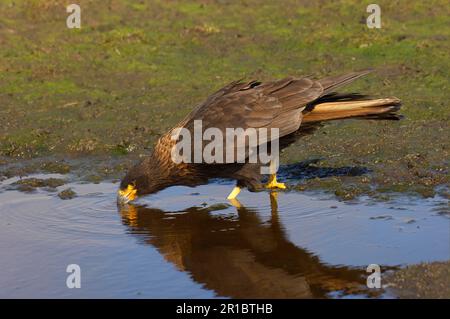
67,194
30,184
146,64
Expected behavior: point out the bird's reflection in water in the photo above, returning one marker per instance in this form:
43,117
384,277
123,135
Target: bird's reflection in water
239,256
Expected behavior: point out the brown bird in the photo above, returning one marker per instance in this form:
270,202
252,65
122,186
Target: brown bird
292,105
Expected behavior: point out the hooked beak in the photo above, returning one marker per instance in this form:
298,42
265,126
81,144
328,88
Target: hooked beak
127,195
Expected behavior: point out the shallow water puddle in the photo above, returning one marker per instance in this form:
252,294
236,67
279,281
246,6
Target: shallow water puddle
190,243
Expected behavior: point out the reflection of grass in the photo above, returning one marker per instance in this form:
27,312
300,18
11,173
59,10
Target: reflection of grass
146,64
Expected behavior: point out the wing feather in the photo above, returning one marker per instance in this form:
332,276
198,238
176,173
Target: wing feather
277,104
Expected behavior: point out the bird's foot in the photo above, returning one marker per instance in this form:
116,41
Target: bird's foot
276,185
273,184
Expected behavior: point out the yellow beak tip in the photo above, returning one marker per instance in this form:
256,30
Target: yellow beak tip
127,195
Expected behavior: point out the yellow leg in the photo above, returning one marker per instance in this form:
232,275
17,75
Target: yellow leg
234,192
274,184
235,202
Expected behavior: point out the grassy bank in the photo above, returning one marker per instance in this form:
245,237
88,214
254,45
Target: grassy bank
137,67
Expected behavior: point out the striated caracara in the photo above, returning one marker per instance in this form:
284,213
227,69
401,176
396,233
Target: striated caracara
291,105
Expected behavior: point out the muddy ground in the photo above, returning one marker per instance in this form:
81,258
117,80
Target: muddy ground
427,280
137,67
92,101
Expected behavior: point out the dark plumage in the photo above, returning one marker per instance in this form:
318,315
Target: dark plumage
283,104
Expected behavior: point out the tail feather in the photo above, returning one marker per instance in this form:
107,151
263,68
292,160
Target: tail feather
332,105
356,108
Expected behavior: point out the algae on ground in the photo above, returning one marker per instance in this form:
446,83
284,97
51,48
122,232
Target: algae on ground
30,184
136,68
67,194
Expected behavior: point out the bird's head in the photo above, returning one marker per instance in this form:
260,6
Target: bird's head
142,179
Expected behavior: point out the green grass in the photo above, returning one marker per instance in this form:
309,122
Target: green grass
137,67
